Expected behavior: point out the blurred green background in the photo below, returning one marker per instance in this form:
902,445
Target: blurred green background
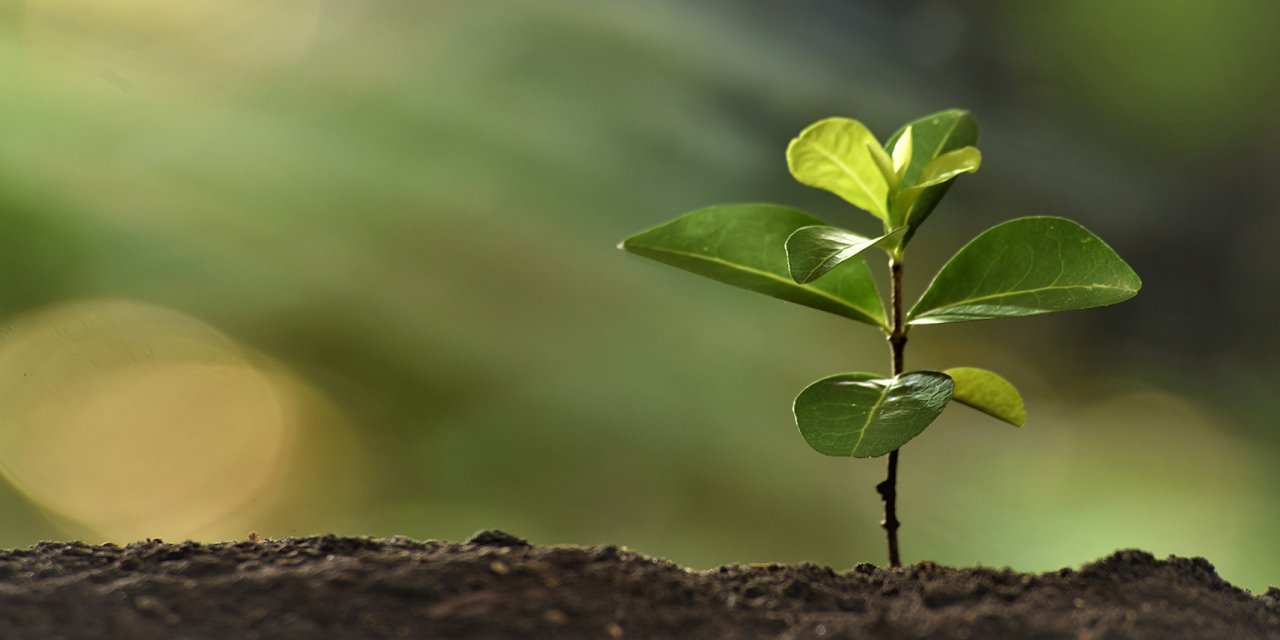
299,266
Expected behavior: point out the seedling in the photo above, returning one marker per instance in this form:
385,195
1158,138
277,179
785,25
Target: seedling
1022,267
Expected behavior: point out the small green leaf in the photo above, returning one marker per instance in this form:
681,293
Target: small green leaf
931,136
835,154
949,165
902,153
743,245
814,251
884,163
988,393
941,169
864,416
1026,267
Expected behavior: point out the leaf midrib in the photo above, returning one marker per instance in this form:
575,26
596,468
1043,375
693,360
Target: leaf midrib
942,141
862,433
771,276
1019,292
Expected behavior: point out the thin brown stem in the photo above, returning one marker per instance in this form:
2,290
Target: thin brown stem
897,345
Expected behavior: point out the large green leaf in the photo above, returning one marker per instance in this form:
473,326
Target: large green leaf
864,416
814,251
1026,267
839,155
988,393
743,245
931,136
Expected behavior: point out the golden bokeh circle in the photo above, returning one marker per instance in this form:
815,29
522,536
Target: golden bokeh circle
136,420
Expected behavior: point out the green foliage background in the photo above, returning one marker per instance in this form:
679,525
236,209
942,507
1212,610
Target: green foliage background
416,214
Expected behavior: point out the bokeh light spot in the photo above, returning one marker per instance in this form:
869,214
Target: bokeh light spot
137,421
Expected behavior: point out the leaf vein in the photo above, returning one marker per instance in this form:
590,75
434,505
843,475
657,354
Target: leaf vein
1035,291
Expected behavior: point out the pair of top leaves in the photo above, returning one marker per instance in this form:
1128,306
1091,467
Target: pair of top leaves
1026,266
900,187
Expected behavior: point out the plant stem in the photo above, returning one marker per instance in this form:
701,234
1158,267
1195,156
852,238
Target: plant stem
897,345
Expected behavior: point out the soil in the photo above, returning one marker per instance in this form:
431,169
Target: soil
497,586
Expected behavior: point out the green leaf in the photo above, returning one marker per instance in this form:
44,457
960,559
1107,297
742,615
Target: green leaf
884,163
835,154
1026,267
931,136
743,245
902,153
814,251
941,169
949,165
864,416
988,393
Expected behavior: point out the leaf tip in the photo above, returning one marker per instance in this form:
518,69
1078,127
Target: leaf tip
797,275
628,243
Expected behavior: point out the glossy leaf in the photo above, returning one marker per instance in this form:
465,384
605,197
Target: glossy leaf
814,251
835,154
988,393
743,245
1026,267
932,136
864,416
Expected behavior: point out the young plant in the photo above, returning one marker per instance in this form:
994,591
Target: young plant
1022,267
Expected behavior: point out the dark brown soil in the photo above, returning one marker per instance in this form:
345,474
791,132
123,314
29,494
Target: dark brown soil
497,586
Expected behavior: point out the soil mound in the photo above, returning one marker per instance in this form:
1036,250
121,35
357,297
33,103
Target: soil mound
498,586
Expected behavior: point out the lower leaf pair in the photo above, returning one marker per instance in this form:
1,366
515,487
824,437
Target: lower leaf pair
865,416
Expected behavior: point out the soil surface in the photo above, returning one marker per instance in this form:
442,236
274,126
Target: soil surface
497,586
